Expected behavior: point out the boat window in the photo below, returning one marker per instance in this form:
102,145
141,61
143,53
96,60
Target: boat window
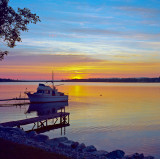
40,91
47,92
40,84
53,93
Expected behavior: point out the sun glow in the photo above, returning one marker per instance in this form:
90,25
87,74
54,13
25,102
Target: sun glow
76,76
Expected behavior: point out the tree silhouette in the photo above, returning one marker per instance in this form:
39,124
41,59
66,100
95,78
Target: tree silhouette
12,23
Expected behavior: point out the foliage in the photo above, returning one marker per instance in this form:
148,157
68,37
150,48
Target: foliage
12,23
2,53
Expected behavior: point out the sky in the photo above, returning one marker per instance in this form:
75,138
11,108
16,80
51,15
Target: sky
86,39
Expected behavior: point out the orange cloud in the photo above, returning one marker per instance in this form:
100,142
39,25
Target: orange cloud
76,67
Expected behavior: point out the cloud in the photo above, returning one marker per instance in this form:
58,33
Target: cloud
96,31
146,12
104,33
48,60
109,49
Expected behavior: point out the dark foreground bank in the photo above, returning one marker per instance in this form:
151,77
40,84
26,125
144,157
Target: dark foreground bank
10,150
17,144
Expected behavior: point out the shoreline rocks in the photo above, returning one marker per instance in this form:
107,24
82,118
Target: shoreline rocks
63,145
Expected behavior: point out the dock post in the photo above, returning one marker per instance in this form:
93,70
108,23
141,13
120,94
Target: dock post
46,122
61,117
37,124
68,119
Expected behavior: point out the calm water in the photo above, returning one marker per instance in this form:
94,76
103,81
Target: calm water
108,115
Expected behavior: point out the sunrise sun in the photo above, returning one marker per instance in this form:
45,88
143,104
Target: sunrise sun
76,77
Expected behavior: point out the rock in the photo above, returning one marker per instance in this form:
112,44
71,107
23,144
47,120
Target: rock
115,154
135,156
100,153
138,156
7,129
41,138
60,139
149,157
90,148
52,143
31,134
66,144
20,131
11,130
74,145
2,129
80,147
55,142
87,155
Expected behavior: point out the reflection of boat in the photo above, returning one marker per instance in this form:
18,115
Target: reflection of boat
46,94
46,108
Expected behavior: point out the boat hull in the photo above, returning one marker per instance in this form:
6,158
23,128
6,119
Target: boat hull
43,99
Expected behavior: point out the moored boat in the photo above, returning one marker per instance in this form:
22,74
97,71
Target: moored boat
46,94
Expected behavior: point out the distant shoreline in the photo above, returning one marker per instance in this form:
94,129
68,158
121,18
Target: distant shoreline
121,80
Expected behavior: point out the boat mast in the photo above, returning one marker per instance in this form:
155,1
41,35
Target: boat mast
52,80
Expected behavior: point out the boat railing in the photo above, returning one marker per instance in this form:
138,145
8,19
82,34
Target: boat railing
28,92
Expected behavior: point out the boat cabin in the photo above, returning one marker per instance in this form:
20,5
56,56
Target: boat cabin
47,90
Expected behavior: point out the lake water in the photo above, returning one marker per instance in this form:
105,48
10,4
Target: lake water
108,115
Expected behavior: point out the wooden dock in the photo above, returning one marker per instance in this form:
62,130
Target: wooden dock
41,121
14,99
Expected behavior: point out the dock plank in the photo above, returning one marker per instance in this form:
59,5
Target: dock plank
33,120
